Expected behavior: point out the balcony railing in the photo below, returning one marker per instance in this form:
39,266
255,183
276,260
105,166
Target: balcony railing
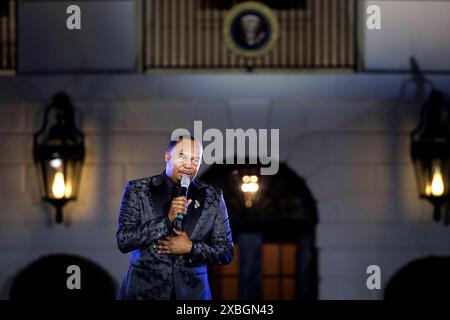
188,34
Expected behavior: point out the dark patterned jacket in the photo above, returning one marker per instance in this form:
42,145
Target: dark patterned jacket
142,221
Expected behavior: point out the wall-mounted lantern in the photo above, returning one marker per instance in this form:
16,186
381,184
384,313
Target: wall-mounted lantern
59,154
430,152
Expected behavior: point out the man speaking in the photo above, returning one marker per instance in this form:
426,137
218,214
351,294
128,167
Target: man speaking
168,262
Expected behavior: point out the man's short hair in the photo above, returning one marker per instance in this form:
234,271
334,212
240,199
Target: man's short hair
173,143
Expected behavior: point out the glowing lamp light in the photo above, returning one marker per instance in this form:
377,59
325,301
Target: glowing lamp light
58,187
437,184
250,188
56,163
250,184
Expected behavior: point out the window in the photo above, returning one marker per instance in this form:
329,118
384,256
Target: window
279,269
278,277
224,280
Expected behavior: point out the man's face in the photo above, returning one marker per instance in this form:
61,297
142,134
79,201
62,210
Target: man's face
184,159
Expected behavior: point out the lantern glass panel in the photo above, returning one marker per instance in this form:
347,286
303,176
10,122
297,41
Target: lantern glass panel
60,178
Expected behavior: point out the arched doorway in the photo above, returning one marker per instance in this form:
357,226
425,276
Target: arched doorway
422,279
274,234
47,278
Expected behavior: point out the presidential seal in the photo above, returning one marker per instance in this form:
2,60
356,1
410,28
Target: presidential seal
250,29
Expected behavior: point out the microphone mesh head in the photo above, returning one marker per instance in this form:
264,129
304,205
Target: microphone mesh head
185,181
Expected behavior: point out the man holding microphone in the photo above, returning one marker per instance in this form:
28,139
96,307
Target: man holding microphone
168,262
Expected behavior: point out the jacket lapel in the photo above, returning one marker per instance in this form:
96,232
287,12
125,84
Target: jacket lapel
157,194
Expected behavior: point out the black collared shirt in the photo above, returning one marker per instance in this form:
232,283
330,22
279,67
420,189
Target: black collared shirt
172,189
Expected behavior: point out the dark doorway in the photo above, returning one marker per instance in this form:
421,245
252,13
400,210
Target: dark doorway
47,278
274,234
423,279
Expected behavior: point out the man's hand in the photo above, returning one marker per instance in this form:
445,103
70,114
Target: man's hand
179,244
178,205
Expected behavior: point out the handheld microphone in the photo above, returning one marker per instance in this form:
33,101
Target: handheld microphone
185,182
